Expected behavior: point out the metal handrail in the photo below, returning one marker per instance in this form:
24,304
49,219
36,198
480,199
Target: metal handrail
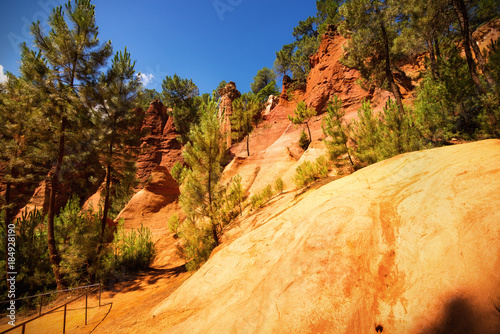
23,325
50,293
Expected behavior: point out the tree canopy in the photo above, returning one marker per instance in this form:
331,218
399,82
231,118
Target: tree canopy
70,56
263,78
181,97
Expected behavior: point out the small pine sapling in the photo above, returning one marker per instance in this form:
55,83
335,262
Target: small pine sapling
304,140
337,129
302,115
279,185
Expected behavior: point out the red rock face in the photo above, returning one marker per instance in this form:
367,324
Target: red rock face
150,156
159,146
487,33
171,149
329,77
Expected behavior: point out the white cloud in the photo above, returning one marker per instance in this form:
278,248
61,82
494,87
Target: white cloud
3,77
146,78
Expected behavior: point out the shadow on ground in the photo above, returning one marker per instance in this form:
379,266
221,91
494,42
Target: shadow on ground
460,316
128,283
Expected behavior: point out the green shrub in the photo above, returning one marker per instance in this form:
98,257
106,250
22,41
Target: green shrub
308,172
278,185
304,140
198,243
267,192
304,174
173,224
335,127
178,172
84,261
34,272
78,233
380,138
122,191
321,167
257,200
134,250
236,194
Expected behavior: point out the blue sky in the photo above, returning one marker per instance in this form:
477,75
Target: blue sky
204,40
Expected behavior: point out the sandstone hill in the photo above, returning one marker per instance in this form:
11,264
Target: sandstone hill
408,245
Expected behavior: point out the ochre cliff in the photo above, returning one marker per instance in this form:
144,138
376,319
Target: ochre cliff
159,145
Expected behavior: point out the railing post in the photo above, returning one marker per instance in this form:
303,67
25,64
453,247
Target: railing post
100,291
64,322
41,303
24,328
86,299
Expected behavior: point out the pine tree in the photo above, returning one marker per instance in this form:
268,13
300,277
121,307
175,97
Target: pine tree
23,148
245,108
236,193
328,13
263,77
367,134
427,28
284,59
302,115
468,44
146,97
337,129
204,153
294,57
398,132
72,55
270,89
181,97
116,96
373,26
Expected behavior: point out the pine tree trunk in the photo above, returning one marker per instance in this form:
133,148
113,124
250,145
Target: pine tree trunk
461,11
214,234
438,49
388,71
308,130
55,258
107,190
248,145
433,58
348,154
104,219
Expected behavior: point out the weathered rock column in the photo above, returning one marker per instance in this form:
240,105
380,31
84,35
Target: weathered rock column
151,155
228,95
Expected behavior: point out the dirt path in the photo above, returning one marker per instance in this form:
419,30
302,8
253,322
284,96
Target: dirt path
125,306
126,301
